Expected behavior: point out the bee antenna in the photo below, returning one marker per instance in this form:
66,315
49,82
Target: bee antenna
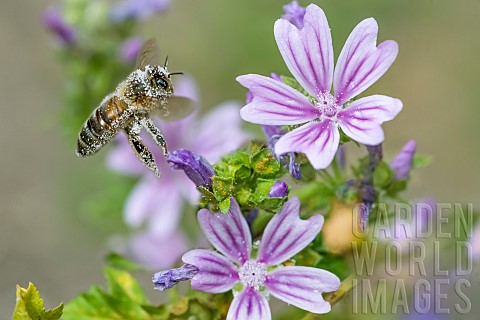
174,73
166,62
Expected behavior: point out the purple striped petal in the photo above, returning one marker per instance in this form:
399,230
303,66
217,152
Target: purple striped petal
216,273
249,304
361,63
361,120
302,287
228,233
318,140
275,103
286,234
308,53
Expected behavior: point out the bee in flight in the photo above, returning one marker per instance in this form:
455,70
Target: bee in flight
146,92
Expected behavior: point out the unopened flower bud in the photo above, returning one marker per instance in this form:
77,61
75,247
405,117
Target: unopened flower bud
197,168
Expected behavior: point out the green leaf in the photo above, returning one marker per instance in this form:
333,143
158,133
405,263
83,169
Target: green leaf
231,163
264,163
383,175
123,286
224,205
421,161
262,190
272,204
30,306
117,261
124,300
396,187
307,257
222,187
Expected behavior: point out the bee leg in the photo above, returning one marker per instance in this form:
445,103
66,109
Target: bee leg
155,133
140,149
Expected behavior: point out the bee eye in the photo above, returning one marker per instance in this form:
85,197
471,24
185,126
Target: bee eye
160,82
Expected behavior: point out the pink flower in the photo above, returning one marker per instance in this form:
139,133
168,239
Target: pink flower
308,53
261,275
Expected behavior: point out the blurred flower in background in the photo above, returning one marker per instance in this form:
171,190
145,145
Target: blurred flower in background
54,21
402,163
138,9
129,49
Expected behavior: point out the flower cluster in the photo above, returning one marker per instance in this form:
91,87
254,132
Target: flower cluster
248,205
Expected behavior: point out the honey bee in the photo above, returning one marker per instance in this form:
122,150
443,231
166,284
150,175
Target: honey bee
146,92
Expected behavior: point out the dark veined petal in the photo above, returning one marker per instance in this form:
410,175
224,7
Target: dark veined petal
318,140
249,304
361,120
308,53
302,287
275,103
227,232
286,234
361,63
215,274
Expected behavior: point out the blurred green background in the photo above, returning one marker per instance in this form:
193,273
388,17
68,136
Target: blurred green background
47,237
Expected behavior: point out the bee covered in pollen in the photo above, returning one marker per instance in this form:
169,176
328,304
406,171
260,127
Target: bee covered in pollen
147,92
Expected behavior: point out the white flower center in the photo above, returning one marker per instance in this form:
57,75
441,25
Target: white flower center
327,105
253,274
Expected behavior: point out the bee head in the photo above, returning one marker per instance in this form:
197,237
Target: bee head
160,79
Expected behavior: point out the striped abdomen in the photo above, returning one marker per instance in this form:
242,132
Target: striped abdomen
102,125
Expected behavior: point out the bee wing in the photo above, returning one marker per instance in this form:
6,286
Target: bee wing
149,55
177,108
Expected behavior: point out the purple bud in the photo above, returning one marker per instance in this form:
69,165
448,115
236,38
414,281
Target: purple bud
129,49
197,168
402,164
168,279
278,190
294,13
54,21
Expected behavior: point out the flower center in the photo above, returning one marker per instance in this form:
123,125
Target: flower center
327,105
253,274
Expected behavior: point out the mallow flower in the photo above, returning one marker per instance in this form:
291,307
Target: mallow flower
253,277
308,54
